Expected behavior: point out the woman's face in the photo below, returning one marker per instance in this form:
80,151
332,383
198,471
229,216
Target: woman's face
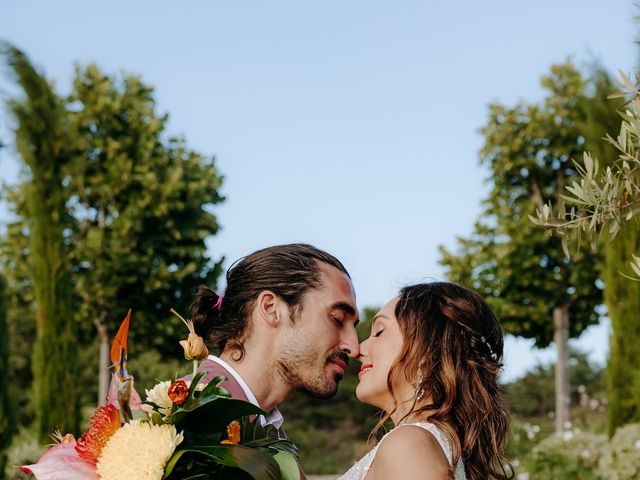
377,354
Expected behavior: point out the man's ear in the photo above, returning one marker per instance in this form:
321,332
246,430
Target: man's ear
268,308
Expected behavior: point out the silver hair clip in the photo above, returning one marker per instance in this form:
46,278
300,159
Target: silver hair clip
493,354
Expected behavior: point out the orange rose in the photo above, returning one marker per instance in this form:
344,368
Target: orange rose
178,392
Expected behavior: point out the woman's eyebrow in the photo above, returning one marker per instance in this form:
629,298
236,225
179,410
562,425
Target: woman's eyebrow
376,319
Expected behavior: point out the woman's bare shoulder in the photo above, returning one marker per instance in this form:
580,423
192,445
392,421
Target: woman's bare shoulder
409,452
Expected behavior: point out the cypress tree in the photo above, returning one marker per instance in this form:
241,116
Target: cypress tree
7,417
622,297
42,140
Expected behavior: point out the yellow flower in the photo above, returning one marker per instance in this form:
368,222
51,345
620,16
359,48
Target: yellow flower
194,348
233,433
138,451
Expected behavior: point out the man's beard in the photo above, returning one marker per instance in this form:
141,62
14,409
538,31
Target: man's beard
292,369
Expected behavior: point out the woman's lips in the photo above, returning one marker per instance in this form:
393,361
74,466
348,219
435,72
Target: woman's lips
364,369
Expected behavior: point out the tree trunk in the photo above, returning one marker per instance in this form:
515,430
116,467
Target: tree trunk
561,339
103,359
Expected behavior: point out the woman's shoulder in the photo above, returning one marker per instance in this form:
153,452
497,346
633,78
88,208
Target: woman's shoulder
410,451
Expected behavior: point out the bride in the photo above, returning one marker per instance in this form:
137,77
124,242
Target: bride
431,364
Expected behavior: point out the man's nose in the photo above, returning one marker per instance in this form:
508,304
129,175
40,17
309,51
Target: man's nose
349,343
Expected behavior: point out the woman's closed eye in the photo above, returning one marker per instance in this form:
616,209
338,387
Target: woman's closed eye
378,333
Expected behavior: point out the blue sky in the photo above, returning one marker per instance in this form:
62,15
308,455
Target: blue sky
349,125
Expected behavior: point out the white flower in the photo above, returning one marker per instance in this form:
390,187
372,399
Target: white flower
585,453
160,396
199,387
138,451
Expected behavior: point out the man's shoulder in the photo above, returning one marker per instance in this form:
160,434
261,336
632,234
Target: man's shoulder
212,370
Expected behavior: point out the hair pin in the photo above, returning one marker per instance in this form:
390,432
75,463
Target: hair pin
493,355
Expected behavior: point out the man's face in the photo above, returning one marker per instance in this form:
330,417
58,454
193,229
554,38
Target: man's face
317,343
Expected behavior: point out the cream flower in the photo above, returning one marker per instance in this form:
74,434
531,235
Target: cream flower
138,451
199,387
160,396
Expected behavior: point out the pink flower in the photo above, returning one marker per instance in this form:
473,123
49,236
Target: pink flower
62,462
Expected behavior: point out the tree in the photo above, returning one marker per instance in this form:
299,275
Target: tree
20,306
42,139
139,213
622,297
141,206
534,289
603,201
529,396
7,416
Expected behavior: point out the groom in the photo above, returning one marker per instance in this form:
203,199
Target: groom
286,323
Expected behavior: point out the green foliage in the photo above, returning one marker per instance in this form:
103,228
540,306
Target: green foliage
7,408
585,455
621,461
42,139
601,200
604,198
203,420
138,211
526,433
575,456
623,300
149,368
140,205
520,268
25,449
20,312
531,396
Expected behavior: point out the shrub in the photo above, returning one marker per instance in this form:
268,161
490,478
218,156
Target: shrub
24,450
574,455
621,461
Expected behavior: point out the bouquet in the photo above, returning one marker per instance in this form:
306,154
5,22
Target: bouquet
183,430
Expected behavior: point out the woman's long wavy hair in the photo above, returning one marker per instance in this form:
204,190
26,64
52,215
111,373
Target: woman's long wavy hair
456,350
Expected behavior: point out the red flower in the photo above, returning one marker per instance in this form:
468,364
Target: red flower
178,392
104,422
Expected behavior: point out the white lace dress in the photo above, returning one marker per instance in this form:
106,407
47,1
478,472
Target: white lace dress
360,469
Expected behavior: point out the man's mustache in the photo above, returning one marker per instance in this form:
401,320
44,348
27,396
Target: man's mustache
339,356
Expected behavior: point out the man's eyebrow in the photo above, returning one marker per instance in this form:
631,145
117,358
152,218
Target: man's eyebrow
345,307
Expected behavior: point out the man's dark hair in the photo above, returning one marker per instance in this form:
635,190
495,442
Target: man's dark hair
289,271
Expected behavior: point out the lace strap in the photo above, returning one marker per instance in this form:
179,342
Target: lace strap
435,431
